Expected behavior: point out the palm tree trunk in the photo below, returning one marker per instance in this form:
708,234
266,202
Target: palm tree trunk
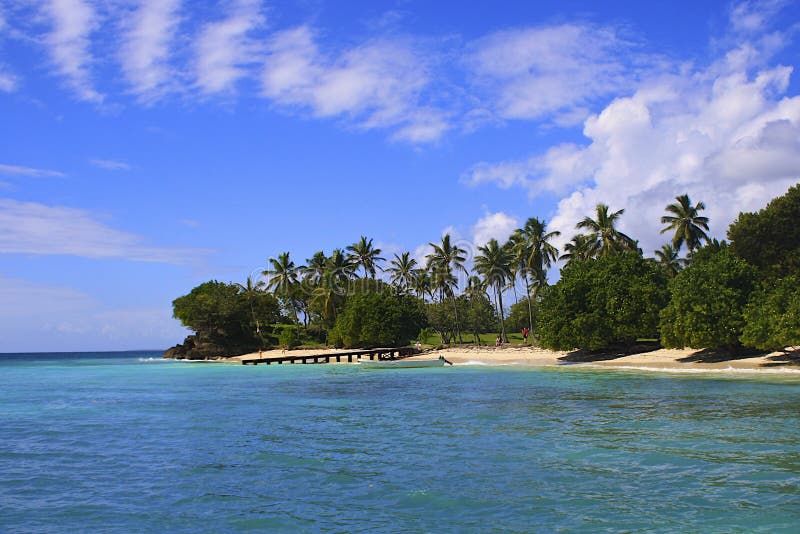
530,310
502,319
455,310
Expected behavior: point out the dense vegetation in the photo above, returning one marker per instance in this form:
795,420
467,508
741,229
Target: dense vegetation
609,294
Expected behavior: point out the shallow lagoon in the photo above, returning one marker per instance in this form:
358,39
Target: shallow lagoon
128,442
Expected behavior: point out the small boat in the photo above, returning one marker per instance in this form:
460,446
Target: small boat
404,364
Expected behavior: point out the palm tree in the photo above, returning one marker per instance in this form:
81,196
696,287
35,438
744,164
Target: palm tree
339,270
474,290
581,248
422,283
402,271
283,279
611,240
493,264
669,261
365,256
251,290
314,270
689,227
534,254
445,259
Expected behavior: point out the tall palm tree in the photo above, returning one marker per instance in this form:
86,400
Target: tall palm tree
422,283
493,264
669,261
446,258
251,290
402,269
474,290
611,240
534,254
689,227
340,270
581,248
364,255
283,279
314,270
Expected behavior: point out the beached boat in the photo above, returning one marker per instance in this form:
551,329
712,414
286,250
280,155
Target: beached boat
399,364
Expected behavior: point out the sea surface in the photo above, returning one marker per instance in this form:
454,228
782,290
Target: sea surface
127,442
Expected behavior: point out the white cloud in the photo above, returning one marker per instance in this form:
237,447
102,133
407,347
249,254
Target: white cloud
110,164
752,16
726,138
17,170
224,49
72,23
378,84
46,317
145,50
493,226
32,228
553,71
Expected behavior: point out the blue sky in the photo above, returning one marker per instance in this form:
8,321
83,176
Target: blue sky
150,145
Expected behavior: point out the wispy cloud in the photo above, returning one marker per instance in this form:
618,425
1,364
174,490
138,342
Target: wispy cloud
17,170
378,84
224,49
493,226
145,50
33,228
110,164
552,72
69,42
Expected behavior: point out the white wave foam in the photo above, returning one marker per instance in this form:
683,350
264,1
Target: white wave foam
695,370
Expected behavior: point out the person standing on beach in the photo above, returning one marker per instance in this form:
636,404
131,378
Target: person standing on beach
525,334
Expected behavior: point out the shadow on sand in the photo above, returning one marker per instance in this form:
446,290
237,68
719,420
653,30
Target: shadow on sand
787,358
611,353
718,355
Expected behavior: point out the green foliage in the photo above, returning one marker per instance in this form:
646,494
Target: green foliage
707,301
288,337
378,319
518,317
220,313
770,239
611,300
772,317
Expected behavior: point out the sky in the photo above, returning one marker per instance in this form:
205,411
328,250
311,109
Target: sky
147,146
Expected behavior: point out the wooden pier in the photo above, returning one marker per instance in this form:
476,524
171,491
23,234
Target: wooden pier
379,354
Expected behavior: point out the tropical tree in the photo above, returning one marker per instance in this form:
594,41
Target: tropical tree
669,260
314,270
402,269
442,262
475,291
603,229
688,227
422,283
364,255
283,280
494,264
581,248
251,290
534,254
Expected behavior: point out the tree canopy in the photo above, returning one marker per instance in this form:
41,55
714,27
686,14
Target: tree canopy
611,300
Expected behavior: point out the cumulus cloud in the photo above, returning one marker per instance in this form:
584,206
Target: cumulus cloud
721,135
145,50
493,226
224,49
69,42
553,71
32,228
378,84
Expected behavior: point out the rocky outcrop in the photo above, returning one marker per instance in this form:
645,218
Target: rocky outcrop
193,348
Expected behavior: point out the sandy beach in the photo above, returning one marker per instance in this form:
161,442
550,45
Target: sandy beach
656,360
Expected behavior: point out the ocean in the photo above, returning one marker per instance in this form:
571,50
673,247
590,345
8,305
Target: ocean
128,442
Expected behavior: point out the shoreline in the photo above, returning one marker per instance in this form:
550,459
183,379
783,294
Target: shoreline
660,360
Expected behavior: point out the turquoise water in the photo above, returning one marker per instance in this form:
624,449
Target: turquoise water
122,443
